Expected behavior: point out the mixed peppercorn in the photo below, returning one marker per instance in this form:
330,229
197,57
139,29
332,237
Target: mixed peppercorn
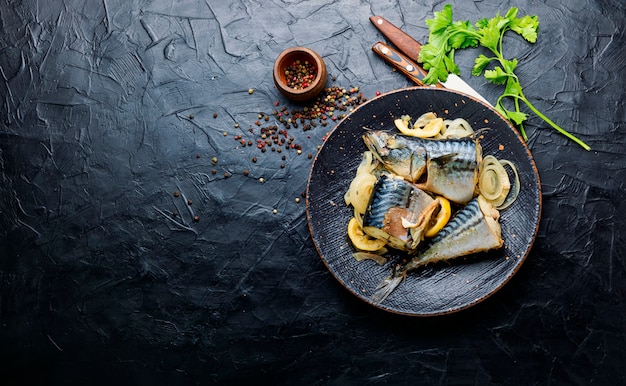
299,75
273,130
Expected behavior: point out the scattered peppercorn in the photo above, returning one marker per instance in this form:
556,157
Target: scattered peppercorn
214,160
246,172
214,115
176,194
275,129
196,218
189,202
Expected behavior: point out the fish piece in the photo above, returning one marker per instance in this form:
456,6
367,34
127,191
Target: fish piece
398,212
397,153
452,168
475,228
448,167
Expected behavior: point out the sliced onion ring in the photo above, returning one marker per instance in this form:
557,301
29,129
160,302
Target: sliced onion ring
361,186
360,190
493,181
494,184
515,188
457,128
376,256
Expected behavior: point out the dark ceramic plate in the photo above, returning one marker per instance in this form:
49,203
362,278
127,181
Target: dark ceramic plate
437,289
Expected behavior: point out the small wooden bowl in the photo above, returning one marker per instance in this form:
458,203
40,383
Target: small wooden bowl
288,57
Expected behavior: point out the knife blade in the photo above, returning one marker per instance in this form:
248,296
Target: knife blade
411,48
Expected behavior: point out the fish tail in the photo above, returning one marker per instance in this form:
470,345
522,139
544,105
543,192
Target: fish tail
387,286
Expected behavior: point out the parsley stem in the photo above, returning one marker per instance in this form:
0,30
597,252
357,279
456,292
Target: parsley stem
516,98
503,110
558,128
521,125
555,126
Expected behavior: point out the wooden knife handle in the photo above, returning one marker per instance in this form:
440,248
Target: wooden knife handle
403,64
397,37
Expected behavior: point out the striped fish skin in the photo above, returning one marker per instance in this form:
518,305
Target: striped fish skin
397,153
452,168
475,228
447,167
394,203
388,192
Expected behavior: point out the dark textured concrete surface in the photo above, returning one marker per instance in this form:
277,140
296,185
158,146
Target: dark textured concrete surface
109,107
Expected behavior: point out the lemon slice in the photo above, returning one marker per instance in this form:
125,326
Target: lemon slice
403,123
431,128
442,217
360,240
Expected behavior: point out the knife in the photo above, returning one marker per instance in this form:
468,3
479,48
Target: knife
402,63
411,48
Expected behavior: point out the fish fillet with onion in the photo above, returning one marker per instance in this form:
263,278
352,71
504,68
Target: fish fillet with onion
475,228
398,212
448,167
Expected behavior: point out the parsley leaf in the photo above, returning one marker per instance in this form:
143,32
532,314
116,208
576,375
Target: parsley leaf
441,20
516,116
479,64
497,75
527,27
446,36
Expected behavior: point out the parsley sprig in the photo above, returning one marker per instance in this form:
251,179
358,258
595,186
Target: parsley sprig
446,36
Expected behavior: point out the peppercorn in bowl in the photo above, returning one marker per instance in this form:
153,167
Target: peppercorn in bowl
300,73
